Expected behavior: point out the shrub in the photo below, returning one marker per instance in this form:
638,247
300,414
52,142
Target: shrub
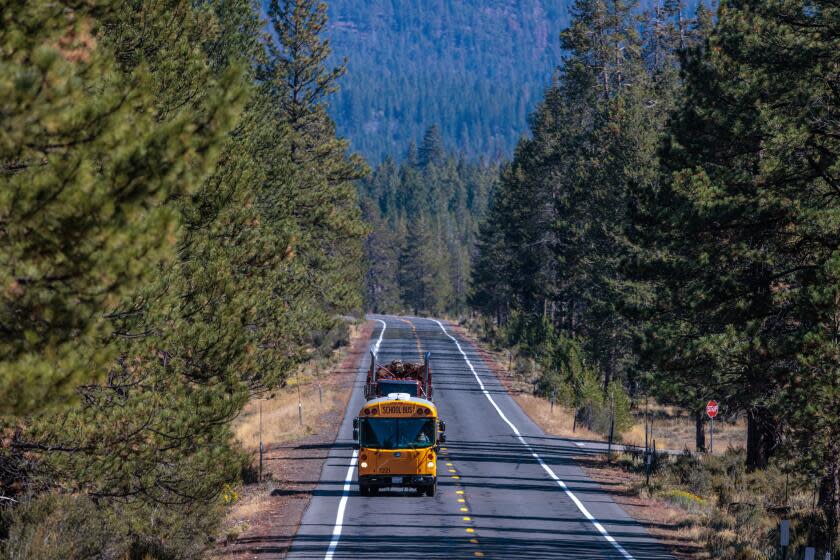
690,472
686,500
328,340
249,473
528,332
59,526
50,526
596,408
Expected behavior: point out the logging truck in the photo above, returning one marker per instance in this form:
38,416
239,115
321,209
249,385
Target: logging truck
399,377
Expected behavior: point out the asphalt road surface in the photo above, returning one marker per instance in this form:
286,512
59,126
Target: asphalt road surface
505,488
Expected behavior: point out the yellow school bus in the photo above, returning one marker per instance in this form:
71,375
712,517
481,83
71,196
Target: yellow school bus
398,439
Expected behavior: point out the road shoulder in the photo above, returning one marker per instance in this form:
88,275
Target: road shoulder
264,521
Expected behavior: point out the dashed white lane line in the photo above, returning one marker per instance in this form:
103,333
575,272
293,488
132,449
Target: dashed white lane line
579,444
345,494
609,538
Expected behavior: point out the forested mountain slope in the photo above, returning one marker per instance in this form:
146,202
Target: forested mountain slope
476,68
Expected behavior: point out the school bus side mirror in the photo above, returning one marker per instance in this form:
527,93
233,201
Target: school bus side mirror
442,426
442,438
355,434
355,423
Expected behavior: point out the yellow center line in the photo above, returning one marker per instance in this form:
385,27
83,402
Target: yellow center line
416,338
443,451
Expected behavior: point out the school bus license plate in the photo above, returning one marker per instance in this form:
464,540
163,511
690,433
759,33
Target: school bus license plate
396,480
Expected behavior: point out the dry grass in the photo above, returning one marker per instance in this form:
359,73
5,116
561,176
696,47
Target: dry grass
679,529
297,410
559,422
281,419
673,429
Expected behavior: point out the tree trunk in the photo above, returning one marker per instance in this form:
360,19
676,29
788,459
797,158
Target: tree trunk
700,431
762,438
607,375
829,499
609,368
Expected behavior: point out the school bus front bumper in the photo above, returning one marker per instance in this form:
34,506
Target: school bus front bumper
404,481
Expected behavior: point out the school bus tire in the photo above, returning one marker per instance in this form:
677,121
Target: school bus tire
431,489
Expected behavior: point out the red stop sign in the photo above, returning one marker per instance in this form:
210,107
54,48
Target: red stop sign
712,409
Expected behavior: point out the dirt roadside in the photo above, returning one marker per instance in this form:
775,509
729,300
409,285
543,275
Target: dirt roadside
668,523
266,516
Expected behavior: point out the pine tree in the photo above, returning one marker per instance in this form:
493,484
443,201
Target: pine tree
150,437
382,253
87,165
491,276
749,164
450,197
298,78
568,192
423,279
431,151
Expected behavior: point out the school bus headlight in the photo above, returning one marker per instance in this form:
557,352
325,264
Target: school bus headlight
364,464
430,464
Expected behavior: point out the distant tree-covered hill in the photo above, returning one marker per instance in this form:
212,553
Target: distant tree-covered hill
475,68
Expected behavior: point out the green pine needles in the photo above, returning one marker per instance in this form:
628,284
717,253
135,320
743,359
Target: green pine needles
177,225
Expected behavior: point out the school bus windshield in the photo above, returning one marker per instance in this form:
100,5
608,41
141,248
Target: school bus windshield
397,433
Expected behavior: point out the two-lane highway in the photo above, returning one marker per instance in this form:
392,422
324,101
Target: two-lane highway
505,488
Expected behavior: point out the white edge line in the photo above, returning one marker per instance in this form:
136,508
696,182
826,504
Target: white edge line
542,463
345,494
381,334
342,505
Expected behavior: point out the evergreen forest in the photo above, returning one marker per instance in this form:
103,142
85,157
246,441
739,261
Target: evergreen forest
641,198
669,228
179,227
473,68
424,215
